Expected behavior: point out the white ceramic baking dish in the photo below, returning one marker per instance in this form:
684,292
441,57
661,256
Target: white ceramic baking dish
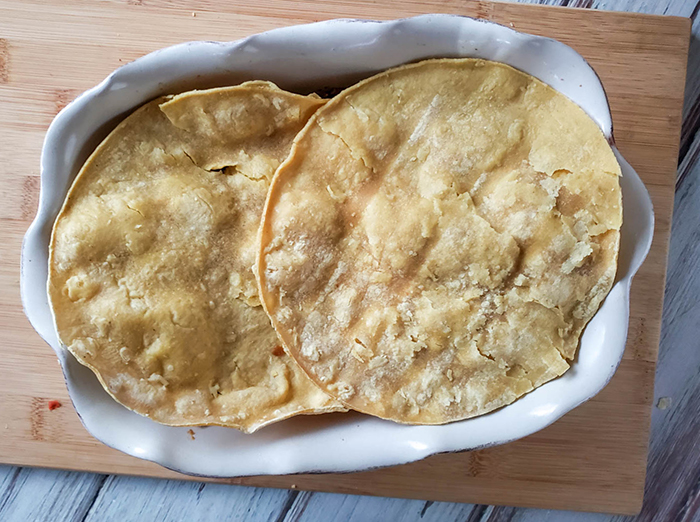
304,58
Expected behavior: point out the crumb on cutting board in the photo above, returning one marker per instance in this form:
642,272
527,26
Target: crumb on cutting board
663,403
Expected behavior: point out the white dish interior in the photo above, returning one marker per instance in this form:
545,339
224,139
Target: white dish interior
305,58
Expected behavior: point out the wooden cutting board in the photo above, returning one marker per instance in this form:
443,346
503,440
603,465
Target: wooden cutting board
593,459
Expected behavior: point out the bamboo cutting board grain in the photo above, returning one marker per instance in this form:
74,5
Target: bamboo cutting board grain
592,459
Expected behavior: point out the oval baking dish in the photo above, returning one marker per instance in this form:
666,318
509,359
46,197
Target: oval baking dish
303,59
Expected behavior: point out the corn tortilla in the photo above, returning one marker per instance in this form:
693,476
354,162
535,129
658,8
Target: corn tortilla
438,238
150,268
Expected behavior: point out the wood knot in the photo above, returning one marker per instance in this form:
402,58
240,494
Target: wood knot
30,197
484,10
63,97
476,464
37,418
4,61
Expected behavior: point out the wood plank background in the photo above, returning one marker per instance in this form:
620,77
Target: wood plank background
594,458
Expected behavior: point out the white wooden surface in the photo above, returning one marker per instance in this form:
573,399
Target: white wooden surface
673,478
